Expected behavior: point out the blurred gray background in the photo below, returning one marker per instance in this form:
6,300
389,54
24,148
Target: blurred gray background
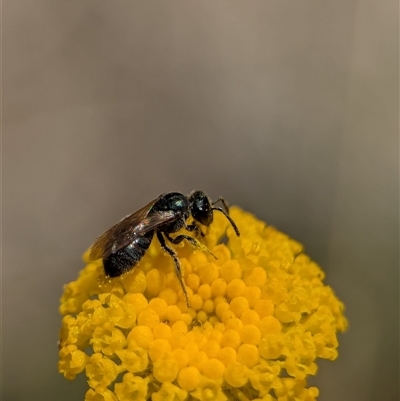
287,108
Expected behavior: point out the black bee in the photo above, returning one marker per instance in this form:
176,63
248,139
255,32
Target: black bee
124,245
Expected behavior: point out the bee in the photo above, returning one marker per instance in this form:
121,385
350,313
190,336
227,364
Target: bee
123,245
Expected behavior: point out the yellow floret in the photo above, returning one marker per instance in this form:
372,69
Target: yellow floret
218,287
264,307
222,254
181,357
209,273
235,288
162,330
155,282
227,355
260,318
269,325
252,294
186,318
211,348
193,282
236,375
239,305
230,338
100,371
138,301
191,347
135,282
250,317
208,306
220,327
121,315
234,323
179,327
221,307
107,339
196,302
158,348
133,359
148,317
169,392
215,335
213,368
142,335
248,355
264,376
169,296
159,306
72,361
173,313
204,291
271,346
250,334
230,270
202,316
198,260
256,277
199,358
209,390
165,369
103,395
178,340
131,388
227,316
189,378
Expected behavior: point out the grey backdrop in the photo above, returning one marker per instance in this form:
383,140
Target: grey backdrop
287,108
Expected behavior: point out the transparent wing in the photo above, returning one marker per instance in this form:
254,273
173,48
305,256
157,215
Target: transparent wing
127,230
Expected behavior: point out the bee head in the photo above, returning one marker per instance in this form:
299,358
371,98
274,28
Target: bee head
200,208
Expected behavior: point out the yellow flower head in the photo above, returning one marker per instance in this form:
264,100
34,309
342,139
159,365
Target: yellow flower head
259,318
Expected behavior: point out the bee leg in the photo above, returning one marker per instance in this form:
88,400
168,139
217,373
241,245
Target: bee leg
173,255
192,241
234,226
195,228
224,204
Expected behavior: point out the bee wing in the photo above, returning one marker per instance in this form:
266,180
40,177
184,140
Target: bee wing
127,230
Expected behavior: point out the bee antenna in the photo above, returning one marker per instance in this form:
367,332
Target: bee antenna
224,204
234,226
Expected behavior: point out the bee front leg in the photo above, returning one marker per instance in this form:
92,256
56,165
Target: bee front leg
194,227
192,241
174,256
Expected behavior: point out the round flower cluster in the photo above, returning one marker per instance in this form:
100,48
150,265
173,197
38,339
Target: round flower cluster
259,318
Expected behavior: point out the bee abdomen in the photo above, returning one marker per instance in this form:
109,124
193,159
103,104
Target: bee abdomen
126,258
